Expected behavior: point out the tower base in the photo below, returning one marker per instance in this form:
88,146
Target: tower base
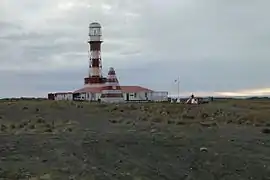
95,80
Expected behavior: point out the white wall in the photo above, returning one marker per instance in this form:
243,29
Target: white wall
92,96
138,96
89,96
145,95
159,96
66,96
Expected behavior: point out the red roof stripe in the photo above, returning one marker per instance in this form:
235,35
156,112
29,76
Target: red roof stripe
125,89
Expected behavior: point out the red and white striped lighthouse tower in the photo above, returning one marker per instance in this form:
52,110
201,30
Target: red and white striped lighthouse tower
95,64
112,92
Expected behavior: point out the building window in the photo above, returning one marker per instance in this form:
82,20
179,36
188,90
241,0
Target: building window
145,94
135,95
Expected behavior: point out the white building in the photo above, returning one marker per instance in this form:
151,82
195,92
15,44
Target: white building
131,93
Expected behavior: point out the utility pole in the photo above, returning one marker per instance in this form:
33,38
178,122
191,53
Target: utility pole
178,88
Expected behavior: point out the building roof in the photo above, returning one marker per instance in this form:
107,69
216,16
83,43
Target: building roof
89,89
125,89
130,89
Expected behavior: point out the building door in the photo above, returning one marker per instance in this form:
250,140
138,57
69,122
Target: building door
93,96
127,96
146,96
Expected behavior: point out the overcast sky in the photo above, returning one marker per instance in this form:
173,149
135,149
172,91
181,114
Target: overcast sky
214,46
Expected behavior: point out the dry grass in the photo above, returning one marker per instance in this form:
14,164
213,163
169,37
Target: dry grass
117,145
27,117
247,112
232,112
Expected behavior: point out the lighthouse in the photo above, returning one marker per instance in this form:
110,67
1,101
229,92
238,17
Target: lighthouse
101,88
94,77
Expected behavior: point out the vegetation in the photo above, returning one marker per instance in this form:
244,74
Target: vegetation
225,139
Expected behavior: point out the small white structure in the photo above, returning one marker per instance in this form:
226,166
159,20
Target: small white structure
192,100
63,96
111,92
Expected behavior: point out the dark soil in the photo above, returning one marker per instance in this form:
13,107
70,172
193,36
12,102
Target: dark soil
84,141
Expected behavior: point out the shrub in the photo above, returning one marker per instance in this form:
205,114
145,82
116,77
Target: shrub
266,131
48,130
32,126
12,126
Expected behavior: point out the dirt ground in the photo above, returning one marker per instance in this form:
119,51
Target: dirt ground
223,140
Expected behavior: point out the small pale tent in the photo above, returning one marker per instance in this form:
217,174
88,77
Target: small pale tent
192,100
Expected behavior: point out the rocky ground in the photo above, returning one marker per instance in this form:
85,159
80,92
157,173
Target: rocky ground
67,140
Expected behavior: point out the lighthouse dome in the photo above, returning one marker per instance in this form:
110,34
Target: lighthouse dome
94,25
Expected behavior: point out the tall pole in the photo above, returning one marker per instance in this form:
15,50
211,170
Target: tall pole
178,88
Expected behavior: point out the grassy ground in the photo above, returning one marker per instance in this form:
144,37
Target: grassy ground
66,140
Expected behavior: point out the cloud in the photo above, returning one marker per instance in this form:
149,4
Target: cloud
250,92
214,46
